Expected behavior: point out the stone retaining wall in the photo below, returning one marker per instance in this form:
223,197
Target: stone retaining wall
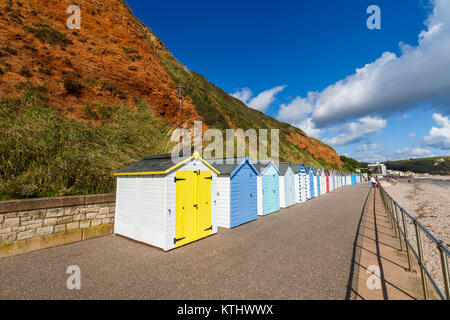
33,224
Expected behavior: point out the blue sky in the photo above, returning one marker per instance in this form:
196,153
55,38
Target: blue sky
297,60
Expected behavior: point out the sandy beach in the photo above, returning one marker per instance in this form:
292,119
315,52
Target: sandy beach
428,200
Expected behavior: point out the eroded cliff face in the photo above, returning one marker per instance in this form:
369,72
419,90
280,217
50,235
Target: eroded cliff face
114,59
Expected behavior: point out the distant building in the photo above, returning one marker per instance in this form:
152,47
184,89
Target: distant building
396,173
377,168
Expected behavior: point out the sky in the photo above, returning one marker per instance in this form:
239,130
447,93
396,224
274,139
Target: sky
373,94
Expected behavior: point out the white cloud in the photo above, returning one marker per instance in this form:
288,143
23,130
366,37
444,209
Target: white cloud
367,147
309,128
387,155
407,153
404,116
243,94
439,137
297,113
412,135
356,131
262,101
392,83
296,110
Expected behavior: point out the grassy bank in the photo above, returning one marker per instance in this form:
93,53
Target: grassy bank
43,154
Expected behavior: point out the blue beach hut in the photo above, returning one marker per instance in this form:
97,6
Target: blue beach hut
318,177
268,187
236,192
311,174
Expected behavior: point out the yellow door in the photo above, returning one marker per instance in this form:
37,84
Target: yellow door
193,206
185,229
203,204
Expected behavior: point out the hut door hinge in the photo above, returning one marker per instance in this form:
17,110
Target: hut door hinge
179,239
210,178
177,179
210,228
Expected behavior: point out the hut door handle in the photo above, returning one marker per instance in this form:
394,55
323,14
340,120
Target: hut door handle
196,206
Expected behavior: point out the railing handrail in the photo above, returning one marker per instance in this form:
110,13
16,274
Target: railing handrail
435,240
418,254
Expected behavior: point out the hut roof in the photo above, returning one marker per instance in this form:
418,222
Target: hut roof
160,164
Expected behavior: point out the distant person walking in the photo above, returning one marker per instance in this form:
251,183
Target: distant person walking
373,181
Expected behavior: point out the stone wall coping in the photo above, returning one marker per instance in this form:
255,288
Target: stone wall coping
54,202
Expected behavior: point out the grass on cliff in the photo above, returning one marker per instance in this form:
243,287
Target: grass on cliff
43,154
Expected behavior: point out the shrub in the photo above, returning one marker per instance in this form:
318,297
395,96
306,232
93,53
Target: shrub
31,93
1,71
29,48
90,113
25,72
45,70
72,84
9,51
52,36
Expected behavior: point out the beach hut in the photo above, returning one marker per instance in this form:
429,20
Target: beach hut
327,175
318,176
353,178
268,187
311,174
286,185
323,181
236,191
303,177
166,202
316,186
295,169
331,172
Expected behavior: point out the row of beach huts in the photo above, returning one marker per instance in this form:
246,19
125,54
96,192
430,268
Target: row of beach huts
167,205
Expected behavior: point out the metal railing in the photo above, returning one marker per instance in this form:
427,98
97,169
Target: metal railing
398,218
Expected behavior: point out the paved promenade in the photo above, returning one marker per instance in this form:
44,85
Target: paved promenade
303,252
380,252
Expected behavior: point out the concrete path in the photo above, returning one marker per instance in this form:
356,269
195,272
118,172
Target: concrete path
383,265
303,252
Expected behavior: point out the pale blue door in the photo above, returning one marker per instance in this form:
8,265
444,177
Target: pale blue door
243,198
289,188
271,200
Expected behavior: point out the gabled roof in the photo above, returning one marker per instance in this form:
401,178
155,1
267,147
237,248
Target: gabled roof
310,169
230,169
296,167
263,165
302,169
283,167
160,164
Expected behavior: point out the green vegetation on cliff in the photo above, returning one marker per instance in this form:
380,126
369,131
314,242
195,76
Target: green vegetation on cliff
42,153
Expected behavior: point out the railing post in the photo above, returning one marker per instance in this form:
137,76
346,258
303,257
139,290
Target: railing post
391,216
394,222
398,228
445,270
405,231
421,263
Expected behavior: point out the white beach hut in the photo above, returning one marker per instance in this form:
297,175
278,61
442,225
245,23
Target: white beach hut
287,185
166,202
